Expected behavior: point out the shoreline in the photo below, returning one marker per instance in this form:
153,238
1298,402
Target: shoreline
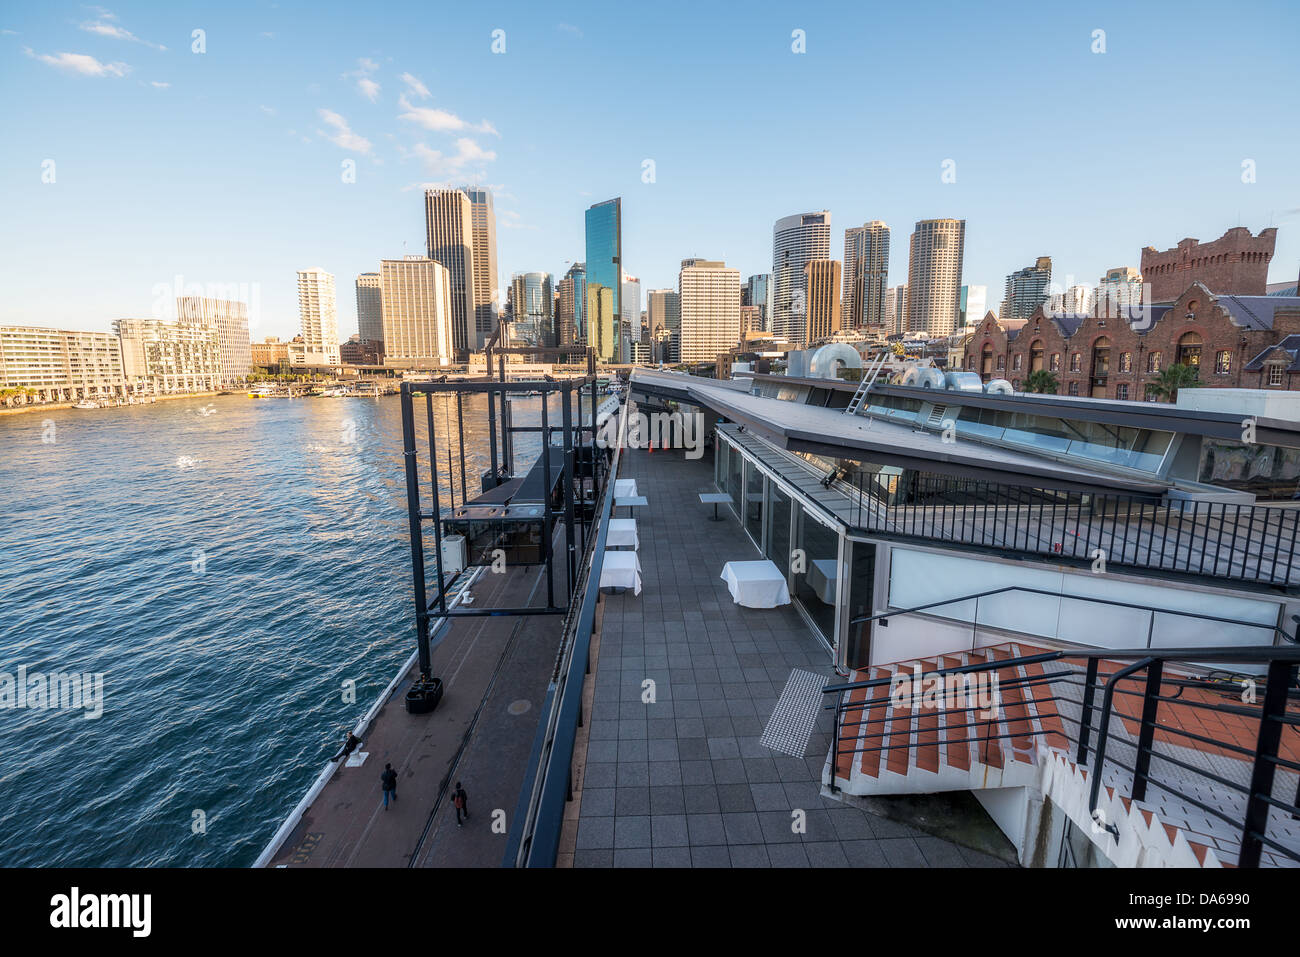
54,406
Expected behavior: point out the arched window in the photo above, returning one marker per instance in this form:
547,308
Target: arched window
986,360
1189,350
1036,355
1101,358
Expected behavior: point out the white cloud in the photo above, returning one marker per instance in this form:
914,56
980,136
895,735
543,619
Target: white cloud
343,135
159,84
365,85
468,152
369,89
104,28
81,63
267,110
415,85
440,121
569,28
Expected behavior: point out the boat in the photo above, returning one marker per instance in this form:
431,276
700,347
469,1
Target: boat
86,404
262,392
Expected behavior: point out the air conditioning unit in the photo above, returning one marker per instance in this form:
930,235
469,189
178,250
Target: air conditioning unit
455,555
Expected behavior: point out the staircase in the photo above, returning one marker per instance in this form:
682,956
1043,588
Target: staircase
926,742
869,376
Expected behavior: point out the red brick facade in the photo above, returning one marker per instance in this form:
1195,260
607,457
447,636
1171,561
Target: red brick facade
1236,264
1104,357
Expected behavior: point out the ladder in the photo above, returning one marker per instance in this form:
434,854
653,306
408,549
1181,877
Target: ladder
869,374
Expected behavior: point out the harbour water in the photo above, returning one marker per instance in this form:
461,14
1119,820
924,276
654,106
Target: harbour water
230,566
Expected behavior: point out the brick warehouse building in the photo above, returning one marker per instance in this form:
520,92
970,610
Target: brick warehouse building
1236,262
1237,341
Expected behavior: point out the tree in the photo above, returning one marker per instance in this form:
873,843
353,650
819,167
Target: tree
1171,379
1042,382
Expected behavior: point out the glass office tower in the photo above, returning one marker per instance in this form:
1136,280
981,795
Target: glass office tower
604,278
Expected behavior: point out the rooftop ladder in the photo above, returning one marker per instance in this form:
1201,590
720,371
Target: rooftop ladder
869,374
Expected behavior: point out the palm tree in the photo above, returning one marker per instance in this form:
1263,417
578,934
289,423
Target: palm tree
1042,382
1171,379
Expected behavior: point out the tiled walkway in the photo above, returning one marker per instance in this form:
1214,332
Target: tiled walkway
684,780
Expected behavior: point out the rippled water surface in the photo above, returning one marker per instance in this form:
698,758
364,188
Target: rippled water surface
227,564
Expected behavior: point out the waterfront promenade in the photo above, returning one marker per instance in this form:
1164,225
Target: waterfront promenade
686,781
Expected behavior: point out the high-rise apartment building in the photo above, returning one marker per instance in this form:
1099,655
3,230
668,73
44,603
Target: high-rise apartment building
934,275
822,280
866,275
757,291
449,228
751,319
1119,288
163,356
230,319
416,303
710,309
484,246
531,300
796,240
630,304
895,310
1026,289
572,291
1077,300
370,307
604,236
319,315
61,365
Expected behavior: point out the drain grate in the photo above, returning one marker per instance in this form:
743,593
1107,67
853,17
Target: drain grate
795,715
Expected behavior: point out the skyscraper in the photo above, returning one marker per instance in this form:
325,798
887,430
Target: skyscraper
823,284
533,322
866,275
664,315
1120,287
630,304
895,311
795,240
604,226
318,313
573,300
416,303
370,307
484,245
230,320
449,225
934,276
710,309
974,305
757,291
1026,289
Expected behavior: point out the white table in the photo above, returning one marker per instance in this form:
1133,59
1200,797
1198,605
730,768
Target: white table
715,499
624,488
622,533
821,578
621,570
756,584
629,501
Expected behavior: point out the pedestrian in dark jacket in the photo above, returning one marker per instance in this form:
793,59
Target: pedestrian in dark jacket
349,746
461,802
388,780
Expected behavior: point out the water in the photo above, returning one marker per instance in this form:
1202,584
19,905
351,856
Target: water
227,564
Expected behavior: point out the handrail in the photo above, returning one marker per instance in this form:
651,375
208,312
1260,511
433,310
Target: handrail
540,813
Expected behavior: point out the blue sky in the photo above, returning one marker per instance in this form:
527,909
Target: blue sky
225,167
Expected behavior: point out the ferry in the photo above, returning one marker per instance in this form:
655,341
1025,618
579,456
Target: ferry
262,392
86,404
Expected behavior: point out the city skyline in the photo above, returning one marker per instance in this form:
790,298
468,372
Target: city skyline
407,119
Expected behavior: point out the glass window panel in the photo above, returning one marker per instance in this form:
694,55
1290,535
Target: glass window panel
815,587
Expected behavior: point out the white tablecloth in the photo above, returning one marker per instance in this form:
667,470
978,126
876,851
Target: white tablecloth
622,531
621,570
756,584
624,488
821,578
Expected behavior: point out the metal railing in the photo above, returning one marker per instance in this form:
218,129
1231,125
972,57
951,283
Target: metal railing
548,785
1249,543
1062,708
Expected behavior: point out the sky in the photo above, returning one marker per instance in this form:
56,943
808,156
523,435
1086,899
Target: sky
137,157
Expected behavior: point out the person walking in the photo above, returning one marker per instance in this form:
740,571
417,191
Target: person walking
349,746
388,780
461,802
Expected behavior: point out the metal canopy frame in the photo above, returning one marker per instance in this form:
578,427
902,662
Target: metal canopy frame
575,436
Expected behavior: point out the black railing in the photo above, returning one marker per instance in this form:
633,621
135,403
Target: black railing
1266,708
1249,543
548,784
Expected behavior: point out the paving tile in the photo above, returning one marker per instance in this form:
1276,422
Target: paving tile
750,855
597,802
826,854
701,829
632,857
633,831
742,827
668,830
671,857
595,833
787,855
710,856
901,852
